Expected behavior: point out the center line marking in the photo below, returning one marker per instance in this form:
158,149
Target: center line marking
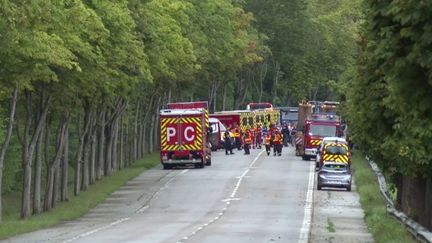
231,198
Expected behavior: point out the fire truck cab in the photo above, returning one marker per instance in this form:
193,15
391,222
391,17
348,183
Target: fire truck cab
316,128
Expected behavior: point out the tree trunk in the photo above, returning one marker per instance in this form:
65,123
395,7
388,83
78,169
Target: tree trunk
108,150
428,203
412,198
49,188
224,96
93,156
155,126
82,135
151,139
101,141
135,135
65,168
121,144
77,176
115,145
86,164
56,194
6,140
37,207
49,200
29,143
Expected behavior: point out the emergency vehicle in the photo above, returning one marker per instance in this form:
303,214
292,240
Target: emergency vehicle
243,119
183,135
264,113
217,134
313,127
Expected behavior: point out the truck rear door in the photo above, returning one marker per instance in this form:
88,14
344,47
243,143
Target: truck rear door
170,136
191,132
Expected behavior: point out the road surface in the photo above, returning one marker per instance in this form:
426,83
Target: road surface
239,199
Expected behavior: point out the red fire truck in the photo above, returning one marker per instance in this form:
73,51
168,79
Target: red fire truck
183,133
243,119
313,127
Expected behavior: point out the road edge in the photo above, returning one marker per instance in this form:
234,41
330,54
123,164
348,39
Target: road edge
305,230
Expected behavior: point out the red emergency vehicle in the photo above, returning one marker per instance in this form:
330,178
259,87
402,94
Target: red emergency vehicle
312,128
242,119
183,133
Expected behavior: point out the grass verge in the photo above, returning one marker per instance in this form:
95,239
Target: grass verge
330,226
75,207
384,227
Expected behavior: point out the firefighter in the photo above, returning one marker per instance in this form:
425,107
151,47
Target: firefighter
258,136
286,135
252,136
237,137
268,139
277,143
228,143
247,143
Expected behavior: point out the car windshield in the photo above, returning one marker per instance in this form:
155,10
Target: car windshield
322,130
334,149
335,167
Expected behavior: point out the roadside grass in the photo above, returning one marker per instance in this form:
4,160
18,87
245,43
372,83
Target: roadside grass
76,206
384,227
330,226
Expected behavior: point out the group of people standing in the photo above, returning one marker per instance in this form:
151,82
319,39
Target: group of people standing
273,137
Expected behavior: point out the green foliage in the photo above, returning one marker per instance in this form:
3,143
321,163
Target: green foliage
312,43
388,96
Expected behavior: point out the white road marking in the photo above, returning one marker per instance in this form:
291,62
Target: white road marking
306,226
96,230
231,198
140,210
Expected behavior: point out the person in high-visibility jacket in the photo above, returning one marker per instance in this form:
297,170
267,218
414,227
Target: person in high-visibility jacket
247,143
268,139
237,138
252,136
258,140
277,143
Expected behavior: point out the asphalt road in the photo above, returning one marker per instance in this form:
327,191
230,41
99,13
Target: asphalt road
240,198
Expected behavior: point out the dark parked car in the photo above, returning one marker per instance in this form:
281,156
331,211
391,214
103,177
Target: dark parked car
335,174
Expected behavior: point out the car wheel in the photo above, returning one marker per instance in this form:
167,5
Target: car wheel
349,188
167,166
319,188
305,157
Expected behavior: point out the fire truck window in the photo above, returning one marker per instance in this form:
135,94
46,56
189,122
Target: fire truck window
244,121
251,122
322,130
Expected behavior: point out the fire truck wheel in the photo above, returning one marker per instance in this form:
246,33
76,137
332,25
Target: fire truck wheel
167,166
199,165
208,162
